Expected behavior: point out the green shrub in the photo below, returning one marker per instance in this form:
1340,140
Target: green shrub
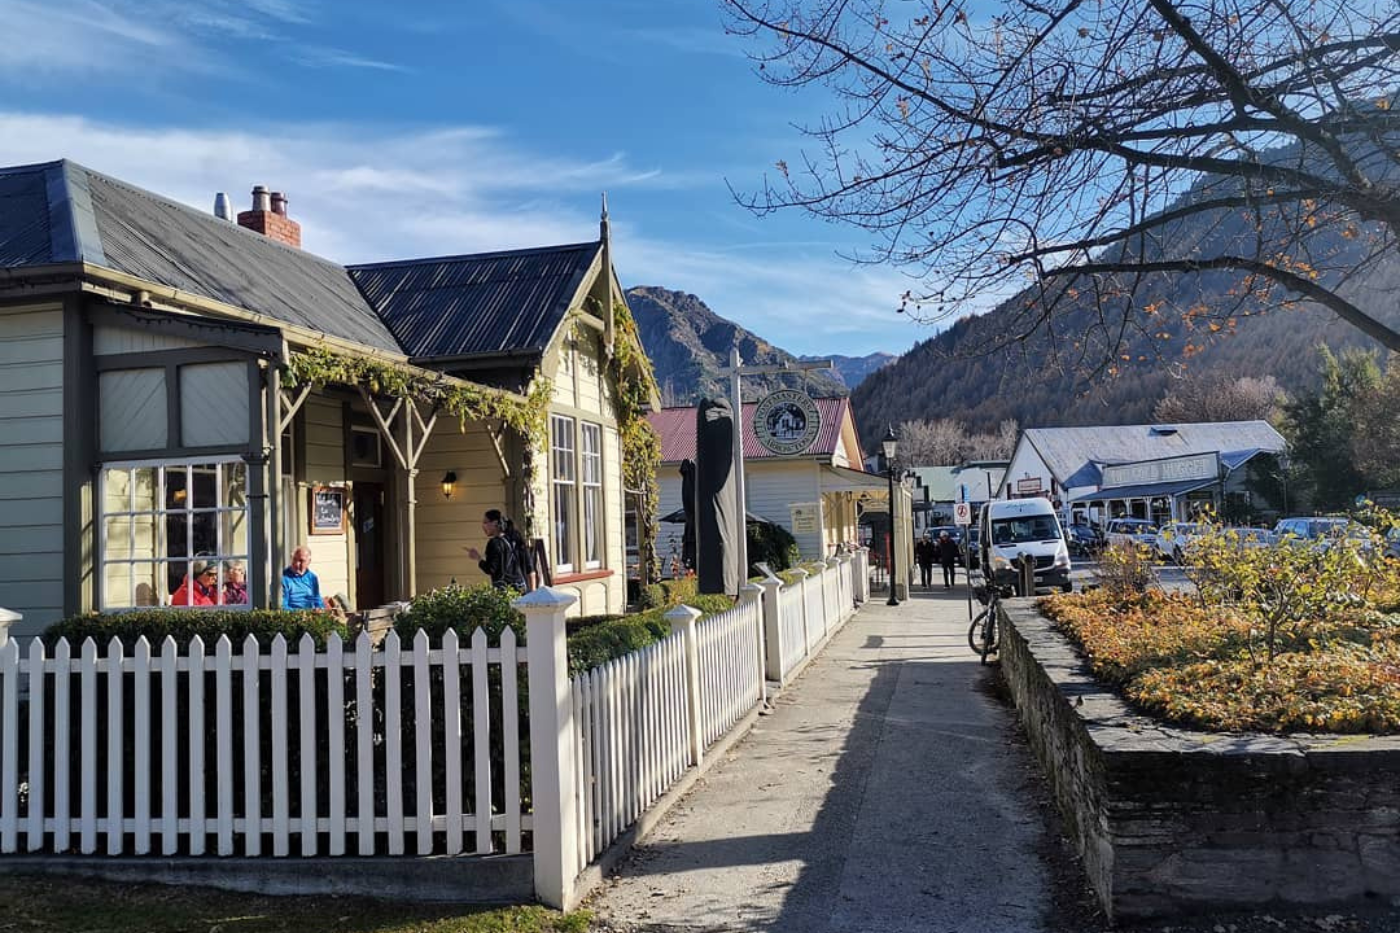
596,645
652,596
773,545
208,624
463,608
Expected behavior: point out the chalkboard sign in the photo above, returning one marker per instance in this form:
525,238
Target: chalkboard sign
327,510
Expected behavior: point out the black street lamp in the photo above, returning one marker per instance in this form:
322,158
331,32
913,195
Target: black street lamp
887,447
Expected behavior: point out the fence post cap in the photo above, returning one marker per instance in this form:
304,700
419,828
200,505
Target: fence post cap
683,614
544,599
771,582
749,592
9,616
801,572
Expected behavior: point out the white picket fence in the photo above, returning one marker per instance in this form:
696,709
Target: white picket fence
386,750
249,752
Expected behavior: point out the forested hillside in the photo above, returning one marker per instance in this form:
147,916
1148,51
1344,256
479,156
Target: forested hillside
1183,328
689,344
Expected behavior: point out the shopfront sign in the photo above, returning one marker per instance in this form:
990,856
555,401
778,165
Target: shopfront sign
1169,470
786,422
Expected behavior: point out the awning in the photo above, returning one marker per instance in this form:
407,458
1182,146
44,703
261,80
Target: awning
1145,490
842,479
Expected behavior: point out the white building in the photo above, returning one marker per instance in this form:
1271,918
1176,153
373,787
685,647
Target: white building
1155,471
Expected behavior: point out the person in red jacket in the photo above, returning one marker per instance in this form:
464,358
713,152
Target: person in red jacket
200,587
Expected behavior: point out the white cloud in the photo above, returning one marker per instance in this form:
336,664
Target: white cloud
365,194
146,38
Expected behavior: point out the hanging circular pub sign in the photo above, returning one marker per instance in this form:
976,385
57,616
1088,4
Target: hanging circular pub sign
786,422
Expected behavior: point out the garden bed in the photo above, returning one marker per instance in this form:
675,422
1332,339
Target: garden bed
1170,819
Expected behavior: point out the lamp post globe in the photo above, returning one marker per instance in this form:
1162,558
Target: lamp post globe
888,443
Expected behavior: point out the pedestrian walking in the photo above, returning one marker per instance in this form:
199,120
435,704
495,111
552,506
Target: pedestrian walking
948,557
926,555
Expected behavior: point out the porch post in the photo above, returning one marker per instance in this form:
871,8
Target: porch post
410,502
255,462
274,489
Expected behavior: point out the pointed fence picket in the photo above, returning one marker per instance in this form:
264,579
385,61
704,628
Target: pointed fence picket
243,751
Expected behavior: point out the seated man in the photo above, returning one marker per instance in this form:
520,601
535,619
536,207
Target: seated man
300,587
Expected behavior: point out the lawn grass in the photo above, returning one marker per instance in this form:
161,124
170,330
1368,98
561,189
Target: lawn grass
76,905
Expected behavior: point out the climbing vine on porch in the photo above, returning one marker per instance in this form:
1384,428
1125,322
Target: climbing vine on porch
529,415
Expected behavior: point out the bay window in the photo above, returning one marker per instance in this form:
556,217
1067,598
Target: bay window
163,523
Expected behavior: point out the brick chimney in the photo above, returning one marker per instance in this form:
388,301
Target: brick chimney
269,217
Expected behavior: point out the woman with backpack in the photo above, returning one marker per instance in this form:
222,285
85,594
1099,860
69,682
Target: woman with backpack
507,560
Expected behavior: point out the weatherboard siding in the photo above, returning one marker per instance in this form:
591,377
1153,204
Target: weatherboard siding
31,465
447,527
773,487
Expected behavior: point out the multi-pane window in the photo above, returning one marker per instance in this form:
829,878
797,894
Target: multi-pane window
563,488
174,534
592,475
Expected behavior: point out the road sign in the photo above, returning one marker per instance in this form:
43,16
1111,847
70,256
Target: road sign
962,513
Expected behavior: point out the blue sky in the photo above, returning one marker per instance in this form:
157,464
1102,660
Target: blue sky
417,129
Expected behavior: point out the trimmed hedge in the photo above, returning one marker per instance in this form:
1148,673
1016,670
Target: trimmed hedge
464,608
208,624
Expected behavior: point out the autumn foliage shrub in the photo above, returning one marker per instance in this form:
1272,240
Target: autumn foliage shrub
1294,636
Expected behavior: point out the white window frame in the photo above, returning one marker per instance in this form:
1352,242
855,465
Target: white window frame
563,491
160,556
591,526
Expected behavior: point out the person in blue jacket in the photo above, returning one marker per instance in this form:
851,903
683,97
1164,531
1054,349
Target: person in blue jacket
300,587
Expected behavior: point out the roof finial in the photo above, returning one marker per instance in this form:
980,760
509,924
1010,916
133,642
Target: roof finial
603,232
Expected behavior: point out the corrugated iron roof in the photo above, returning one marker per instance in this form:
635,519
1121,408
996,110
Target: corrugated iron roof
63,212
1074,454
676,428
160,241
486,303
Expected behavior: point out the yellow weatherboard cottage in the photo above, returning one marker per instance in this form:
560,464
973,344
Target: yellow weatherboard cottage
179,390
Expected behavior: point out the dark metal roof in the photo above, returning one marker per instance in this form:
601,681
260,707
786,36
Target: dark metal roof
26,238
488,303
62,212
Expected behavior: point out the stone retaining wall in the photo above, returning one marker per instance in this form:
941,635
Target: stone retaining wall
1173,821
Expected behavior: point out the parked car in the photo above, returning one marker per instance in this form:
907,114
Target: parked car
1131,531
1174,538
970,546
1083,540
1312,528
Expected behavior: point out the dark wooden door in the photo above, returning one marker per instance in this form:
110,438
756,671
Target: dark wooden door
369,545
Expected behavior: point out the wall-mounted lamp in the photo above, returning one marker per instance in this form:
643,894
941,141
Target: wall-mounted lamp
449,484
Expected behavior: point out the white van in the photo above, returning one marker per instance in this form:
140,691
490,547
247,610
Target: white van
1013,527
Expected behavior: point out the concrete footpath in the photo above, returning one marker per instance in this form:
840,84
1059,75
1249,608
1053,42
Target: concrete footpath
887,791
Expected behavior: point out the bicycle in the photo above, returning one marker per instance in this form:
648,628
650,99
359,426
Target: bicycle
982,635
